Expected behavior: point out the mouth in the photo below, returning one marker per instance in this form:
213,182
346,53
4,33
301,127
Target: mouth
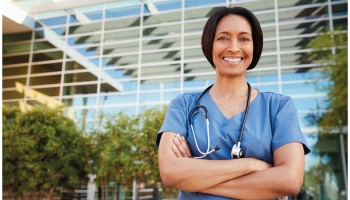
232,60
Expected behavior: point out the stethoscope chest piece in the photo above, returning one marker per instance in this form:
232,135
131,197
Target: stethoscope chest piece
236,151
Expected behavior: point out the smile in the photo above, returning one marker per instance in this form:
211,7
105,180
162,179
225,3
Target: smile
232,60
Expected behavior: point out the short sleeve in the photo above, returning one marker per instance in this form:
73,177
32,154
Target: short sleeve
286,128
175,118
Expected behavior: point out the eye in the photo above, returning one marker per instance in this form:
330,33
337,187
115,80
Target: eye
245,39
223,38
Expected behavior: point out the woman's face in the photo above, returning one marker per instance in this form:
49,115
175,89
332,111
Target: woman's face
233,46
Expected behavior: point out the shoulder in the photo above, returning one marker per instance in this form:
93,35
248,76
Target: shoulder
274,98
184,101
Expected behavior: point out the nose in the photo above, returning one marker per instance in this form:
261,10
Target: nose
233,46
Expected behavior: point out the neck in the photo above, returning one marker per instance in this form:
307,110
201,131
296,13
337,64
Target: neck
230,87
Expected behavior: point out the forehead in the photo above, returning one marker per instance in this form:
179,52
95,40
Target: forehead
232,23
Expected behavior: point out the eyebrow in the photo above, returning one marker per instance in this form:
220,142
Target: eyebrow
241,33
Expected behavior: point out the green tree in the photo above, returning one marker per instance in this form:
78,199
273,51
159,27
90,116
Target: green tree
330,51
42,150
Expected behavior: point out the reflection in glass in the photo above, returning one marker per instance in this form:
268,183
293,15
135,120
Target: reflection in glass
119,60
16,48
53,55
44,80
122,35
193,54
307,73
262,76
266,17
269,32
153,97
16,94
197,67
125,86
82,64
201,12
161,43
119,74
16,37
124,11
198,81
53,21
161,18
304,88
85,17
108,111
78,102
50,33
160,84
192,40
85,28
118,99
11,104
162,30
80,77
295,44
303,28
290,3
44,92
83,52
341,23
80,89
314,103
195,27
122,23
340,9
269,46
168,96
80,114
160,70
161,56
255,5
121,48
267,61
48,44
162,6
14,71
268,88
296,59
15,59
303,13
18,82
83,40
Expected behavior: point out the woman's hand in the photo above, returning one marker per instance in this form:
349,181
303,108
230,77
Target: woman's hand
181,148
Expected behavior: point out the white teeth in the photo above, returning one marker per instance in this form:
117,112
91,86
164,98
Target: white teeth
233,60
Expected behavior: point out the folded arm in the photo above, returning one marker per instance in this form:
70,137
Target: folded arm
194,175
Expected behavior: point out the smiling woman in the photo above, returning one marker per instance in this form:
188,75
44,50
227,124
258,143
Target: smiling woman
270,143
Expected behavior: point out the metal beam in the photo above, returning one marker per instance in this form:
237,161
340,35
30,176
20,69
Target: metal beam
63,5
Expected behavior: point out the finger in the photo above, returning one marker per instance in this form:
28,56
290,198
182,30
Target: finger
180,147
185,145
176,151
282,198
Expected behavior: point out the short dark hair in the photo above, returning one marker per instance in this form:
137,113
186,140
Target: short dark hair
210,28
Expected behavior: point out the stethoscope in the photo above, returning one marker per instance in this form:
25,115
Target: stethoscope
236,151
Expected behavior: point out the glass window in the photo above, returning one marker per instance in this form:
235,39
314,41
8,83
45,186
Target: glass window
53,55
81,77
153,97
81,114
83,52
16,94
85,28
193,54
122,23
46,102
268,32
341,23
122,35
303,28
267,61
201,12
125,86
296,59
161,56
262,76
119,73
86,8
304,88
83,40
266,18
44,80
80,101
15,59
198,67
44,93
124,11
307,73
268,88
14,71
195,27
53,21
295,44
310,103
269,46
160,70
121,48
162,6
120,60
50,33
340,9
82,64
16,37
14,104
303,13
162,30
18,82
51,44
161,18
255,5
80,89
110,111
161,43
168,96
118,99
192,3
16,48
160,84
198,81
85,17
192,40
290,3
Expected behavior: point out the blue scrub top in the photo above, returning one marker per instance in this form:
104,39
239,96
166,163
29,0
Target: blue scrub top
272,121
